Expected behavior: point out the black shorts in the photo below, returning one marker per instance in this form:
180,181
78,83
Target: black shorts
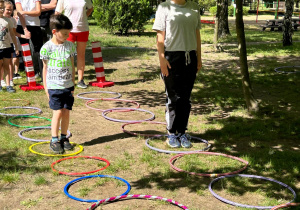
5,53
61,98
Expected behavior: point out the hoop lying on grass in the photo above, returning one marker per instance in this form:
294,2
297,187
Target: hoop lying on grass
27,102
285,206
85,98
80,173
92,176
287,67
37,128
173,159
56,155
110,99
20,107
24,126
141,134
178,152
112,199
105,112
248,176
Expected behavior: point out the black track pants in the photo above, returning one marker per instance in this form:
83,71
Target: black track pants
179,84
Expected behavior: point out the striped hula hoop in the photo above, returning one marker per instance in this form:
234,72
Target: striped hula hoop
85,98
152,197
20,107
285,206
110,99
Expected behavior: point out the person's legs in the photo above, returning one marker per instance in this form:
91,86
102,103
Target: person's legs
6,62
55,123
65,118
80,59
1,73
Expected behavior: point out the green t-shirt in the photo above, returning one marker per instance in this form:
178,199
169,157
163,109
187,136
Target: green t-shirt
59,69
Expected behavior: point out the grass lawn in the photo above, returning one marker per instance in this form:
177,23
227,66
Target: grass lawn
268,139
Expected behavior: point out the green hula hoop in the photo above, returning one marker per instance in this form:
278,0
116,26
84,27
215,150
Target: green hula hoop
56,155
24,126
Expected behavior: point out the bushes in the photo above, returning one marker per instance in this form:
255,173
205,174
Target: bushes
213,10
122,15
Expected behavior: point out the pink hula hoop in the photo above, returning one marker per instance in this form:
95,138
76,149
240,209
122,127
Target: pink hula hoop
140,134
110,99
173,159
95,205
285,205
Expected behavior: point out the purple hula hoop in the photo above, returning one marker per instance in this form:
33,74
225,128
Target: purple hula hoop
95,205
37,128
104,113
20,107
248,176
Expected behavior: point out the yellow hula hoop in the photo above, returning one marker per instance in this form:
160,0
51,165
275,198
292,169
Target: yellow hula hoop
56,155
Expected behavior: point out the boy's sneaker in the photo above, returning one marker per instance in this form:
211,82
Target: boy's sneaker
10,89
3,84
185,140
65,143
56,147
172,141
81,84
11,83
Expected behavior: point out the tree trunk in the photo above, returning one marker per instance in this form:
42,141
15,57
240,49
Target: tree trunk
287,23
251,103
216,48
222,17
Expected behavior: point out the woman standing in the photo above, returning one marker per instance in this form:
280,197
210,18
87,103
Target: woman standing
177,23
78,12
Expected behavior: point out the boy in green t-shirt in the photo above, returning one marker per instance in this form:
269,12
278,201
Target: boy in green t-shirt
59,79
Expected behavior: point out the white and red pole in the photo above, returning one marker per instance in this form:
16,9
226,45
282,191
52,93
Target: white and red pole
27,59
98,63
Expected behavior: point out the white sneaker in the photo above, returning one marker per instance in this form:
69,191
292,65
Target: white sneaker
3,84
11,83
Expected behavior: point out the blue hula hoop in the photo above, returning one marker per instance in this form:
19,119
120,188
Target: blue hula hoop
87,177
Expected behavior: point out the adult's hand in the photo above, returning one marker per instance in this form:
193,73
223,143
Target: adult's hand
164,65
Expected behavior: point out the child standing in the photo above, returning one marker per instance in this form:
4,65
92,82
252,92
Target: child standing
6,30
59,78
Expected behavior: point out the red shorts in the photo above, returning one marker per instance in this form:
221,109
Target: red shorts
79,37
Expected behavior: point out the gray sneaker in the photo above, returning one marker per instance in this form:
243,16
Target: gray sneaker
185,140
172,141
81,84
10,89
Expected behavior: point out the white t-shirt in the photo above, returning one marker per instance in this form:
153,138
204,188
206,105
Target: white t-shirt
29,5
75,10
5,25
180,23
59,68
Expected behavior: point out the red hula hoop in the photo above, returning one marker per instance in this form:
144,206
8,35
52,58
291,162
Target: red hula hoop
173,159
285,205
110,99
79,173
140,134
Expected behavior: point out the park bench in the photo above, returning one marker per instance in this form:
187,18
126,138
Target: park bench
278,23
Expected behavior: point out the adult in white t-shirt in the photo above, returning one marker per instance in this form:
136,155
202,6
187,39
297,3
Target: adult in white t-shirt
78,12
31,10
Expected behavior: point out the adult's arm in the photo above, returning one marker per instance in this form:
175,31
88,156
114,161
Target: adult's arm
27,34
49,6
199,59
89,11
163,62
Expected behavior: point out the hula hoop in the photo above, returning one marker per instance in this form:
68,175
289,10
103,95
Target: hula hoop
178,152
173,159
286,72
109,99
285,205
23,126
21,107
152,197
105,112
80,173
87,177
140,134
56,155
27,102
85,98
249,176
38,128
